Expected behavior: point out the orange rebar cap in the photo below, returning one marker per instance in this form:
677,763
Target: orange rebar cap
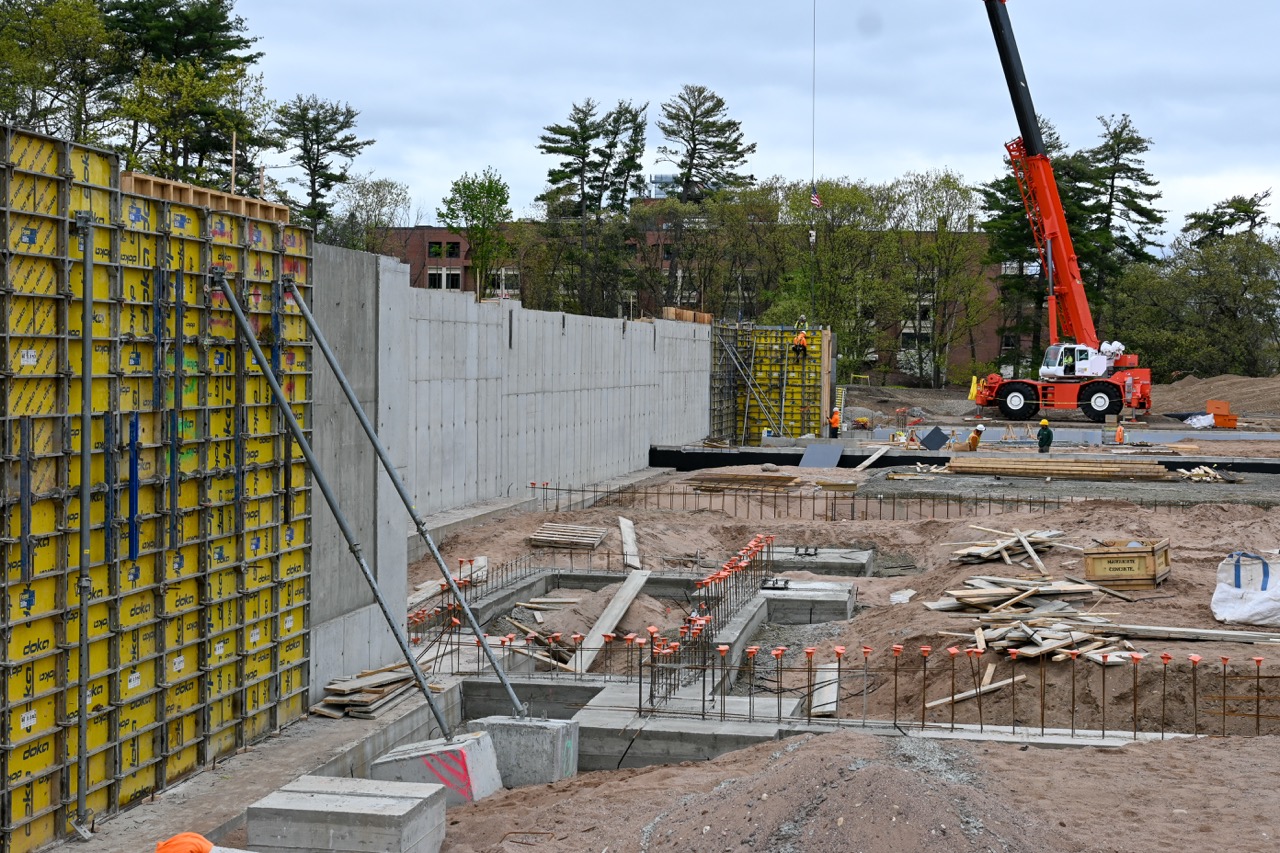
186,842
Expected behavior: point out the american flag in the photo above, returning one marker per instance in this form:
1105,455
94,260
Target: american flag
814,198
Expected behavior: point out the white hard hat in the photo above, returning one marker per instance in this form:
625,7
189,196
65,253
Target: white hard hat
980,428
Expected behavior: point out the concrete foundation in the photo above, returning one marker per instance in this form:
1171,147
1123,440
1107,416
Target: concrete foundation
466,766
808,602
841,562
531,752
299,822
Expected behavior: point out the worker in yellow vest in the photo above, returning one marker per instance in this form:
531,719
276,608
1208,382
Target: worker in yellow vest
975,437
834,420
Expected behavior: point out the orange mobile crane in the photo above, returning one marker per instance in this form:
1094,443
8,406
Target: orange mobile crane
1078,370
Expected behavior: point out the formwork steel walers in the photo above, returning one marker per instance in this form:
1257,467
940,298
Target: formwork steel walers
758,383
201,506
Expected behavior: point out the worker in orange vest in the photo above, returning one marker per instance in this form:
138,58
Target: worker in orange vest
800,345
834,420
185,842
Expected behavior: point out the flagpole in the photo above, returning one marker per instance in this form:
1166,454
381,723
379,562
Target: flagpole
813,170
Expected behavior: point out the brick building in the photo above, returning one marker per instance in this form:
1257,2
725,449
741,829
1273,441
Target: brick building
439,259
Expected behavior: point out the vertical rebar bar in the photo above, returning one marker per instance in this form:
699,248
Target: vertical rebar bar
1195,693
1257,696
924,681
1224,696
1105,657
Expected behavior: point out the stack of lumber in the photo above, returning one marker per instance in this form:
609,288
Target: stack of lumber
1011,547
568,536
1011,596
1062,468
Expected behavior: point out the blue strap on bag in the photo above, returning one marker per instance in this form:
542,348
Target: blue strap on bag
1266,567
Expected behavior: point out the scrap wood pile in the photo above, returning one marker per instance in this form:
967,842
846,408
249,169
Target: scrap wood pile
1204,474
367,695
1013,547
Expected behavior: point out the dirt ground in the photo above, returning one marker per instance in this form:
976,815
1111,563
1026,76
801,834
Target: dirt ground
850,792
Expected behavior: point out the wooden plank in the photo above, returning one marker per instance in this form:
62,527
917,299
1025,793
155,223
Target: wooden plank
986,676
630,548
825,691
969,694
866,463
1014,600
1031,552
538,617
357,685
541,657
609,619
1119,595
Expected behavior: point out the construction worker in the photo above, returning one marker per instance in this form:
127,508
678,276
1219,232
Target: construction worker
800,345
1044,436
834,420
975,437
186,842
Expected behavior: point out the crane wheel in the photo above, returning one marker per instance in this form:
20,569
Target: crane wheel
1018,401
1099,400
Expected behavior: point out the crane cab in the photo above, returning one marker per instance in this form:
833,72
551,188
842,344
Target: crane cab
1072,361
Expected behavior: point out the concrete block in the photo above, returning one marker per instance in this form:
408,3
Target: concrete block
293,822
467,766
432,795
531,752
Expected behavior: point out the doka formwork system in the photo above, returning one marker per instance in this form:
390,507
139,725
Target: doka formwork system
199,522
759,383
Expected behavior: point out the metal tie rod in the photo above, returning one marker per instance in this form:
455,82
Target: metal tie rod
400,488
220,278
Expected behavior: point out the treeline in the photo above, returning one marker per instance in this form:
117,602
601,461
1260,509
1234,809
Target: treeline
171,86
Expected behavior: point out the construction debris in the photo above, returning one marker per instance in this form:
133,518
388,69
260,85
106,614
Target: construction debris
1204,474
1064,469
1011,548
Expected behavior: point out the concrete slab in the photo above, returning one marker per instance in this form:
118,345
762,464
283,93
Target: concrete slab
432,795
531,752
466,765
842,562
810,602
289,822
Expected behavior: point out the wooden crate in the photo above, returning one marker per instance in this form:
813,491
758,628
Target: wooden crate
1128,564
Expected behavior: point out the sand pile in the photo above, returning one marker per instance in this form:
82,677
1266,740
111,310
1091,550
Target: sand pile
1246,394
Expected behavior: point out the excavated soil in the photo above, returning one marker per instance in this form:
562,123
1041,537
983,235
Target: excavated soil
850,792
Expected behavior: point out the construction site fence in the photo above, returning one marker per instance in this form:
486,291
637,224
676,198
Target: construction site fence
770,504
1136,698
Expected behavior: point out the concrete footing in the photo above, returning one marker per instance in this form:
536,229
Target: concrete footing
466,766
793,602
531,752
348,816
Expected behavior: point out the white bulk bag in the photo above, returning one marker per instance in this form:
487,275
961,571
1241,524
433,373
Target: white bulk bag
1248,589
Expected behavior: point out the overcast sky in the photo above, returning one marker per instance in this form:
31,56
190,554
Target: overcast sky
902,85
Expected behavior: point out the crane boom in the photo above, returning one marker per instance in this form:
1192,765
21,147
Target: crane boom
1068,305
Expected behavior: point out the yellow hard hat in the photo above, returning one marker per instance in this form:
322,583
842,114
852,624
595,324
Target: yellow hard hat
1044,422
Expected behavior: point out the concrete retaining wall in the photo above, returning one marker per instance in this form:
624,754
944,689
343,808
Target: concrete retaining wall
473,402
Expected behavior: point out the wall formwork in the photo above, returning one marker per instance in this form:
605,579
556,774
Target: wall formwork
200,522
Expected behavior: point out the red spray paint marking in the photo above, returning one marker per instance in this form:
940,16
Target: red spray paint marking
450,770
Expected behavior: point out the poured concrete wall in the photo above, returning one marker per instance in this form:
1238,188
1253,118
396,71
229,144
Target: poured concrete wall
473,402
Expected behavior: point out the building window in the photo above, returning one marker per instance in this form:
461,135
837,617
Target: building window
433,280
452,279
915,340
1009,342
453,250
435,249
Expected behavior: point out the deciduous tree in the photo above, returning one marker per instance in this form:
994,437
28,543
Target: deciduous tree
476,207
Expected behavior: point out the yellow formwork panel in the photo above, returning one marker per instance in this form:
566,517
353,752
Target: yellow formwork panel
136,610
138,574
261,235
137,645
29,758
259,451
183,221
137,358
138,249
46,437
101,396
229,258
34,677
296,359
292,577
258,605
39,194
181,631
35,235
226,229
301,504
293,533
259,725
222,616
34,598
223,680
35,316
221,360
259,420
34,153
32,828
257,635
136,786
137,286
99,662
259,543
260,513
187,256
292,650
137,395
220,391
181,595
36,357
136,681
221,455
33,718
222,552
33,397
258,665
92,166
221,320
260,266
34,276
135,752
221,489
35,638
223,743
222,584
141,213
99,725
258,576
258,481
181,662
183,762
222,713
139,713
180,697
221,649
296,241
